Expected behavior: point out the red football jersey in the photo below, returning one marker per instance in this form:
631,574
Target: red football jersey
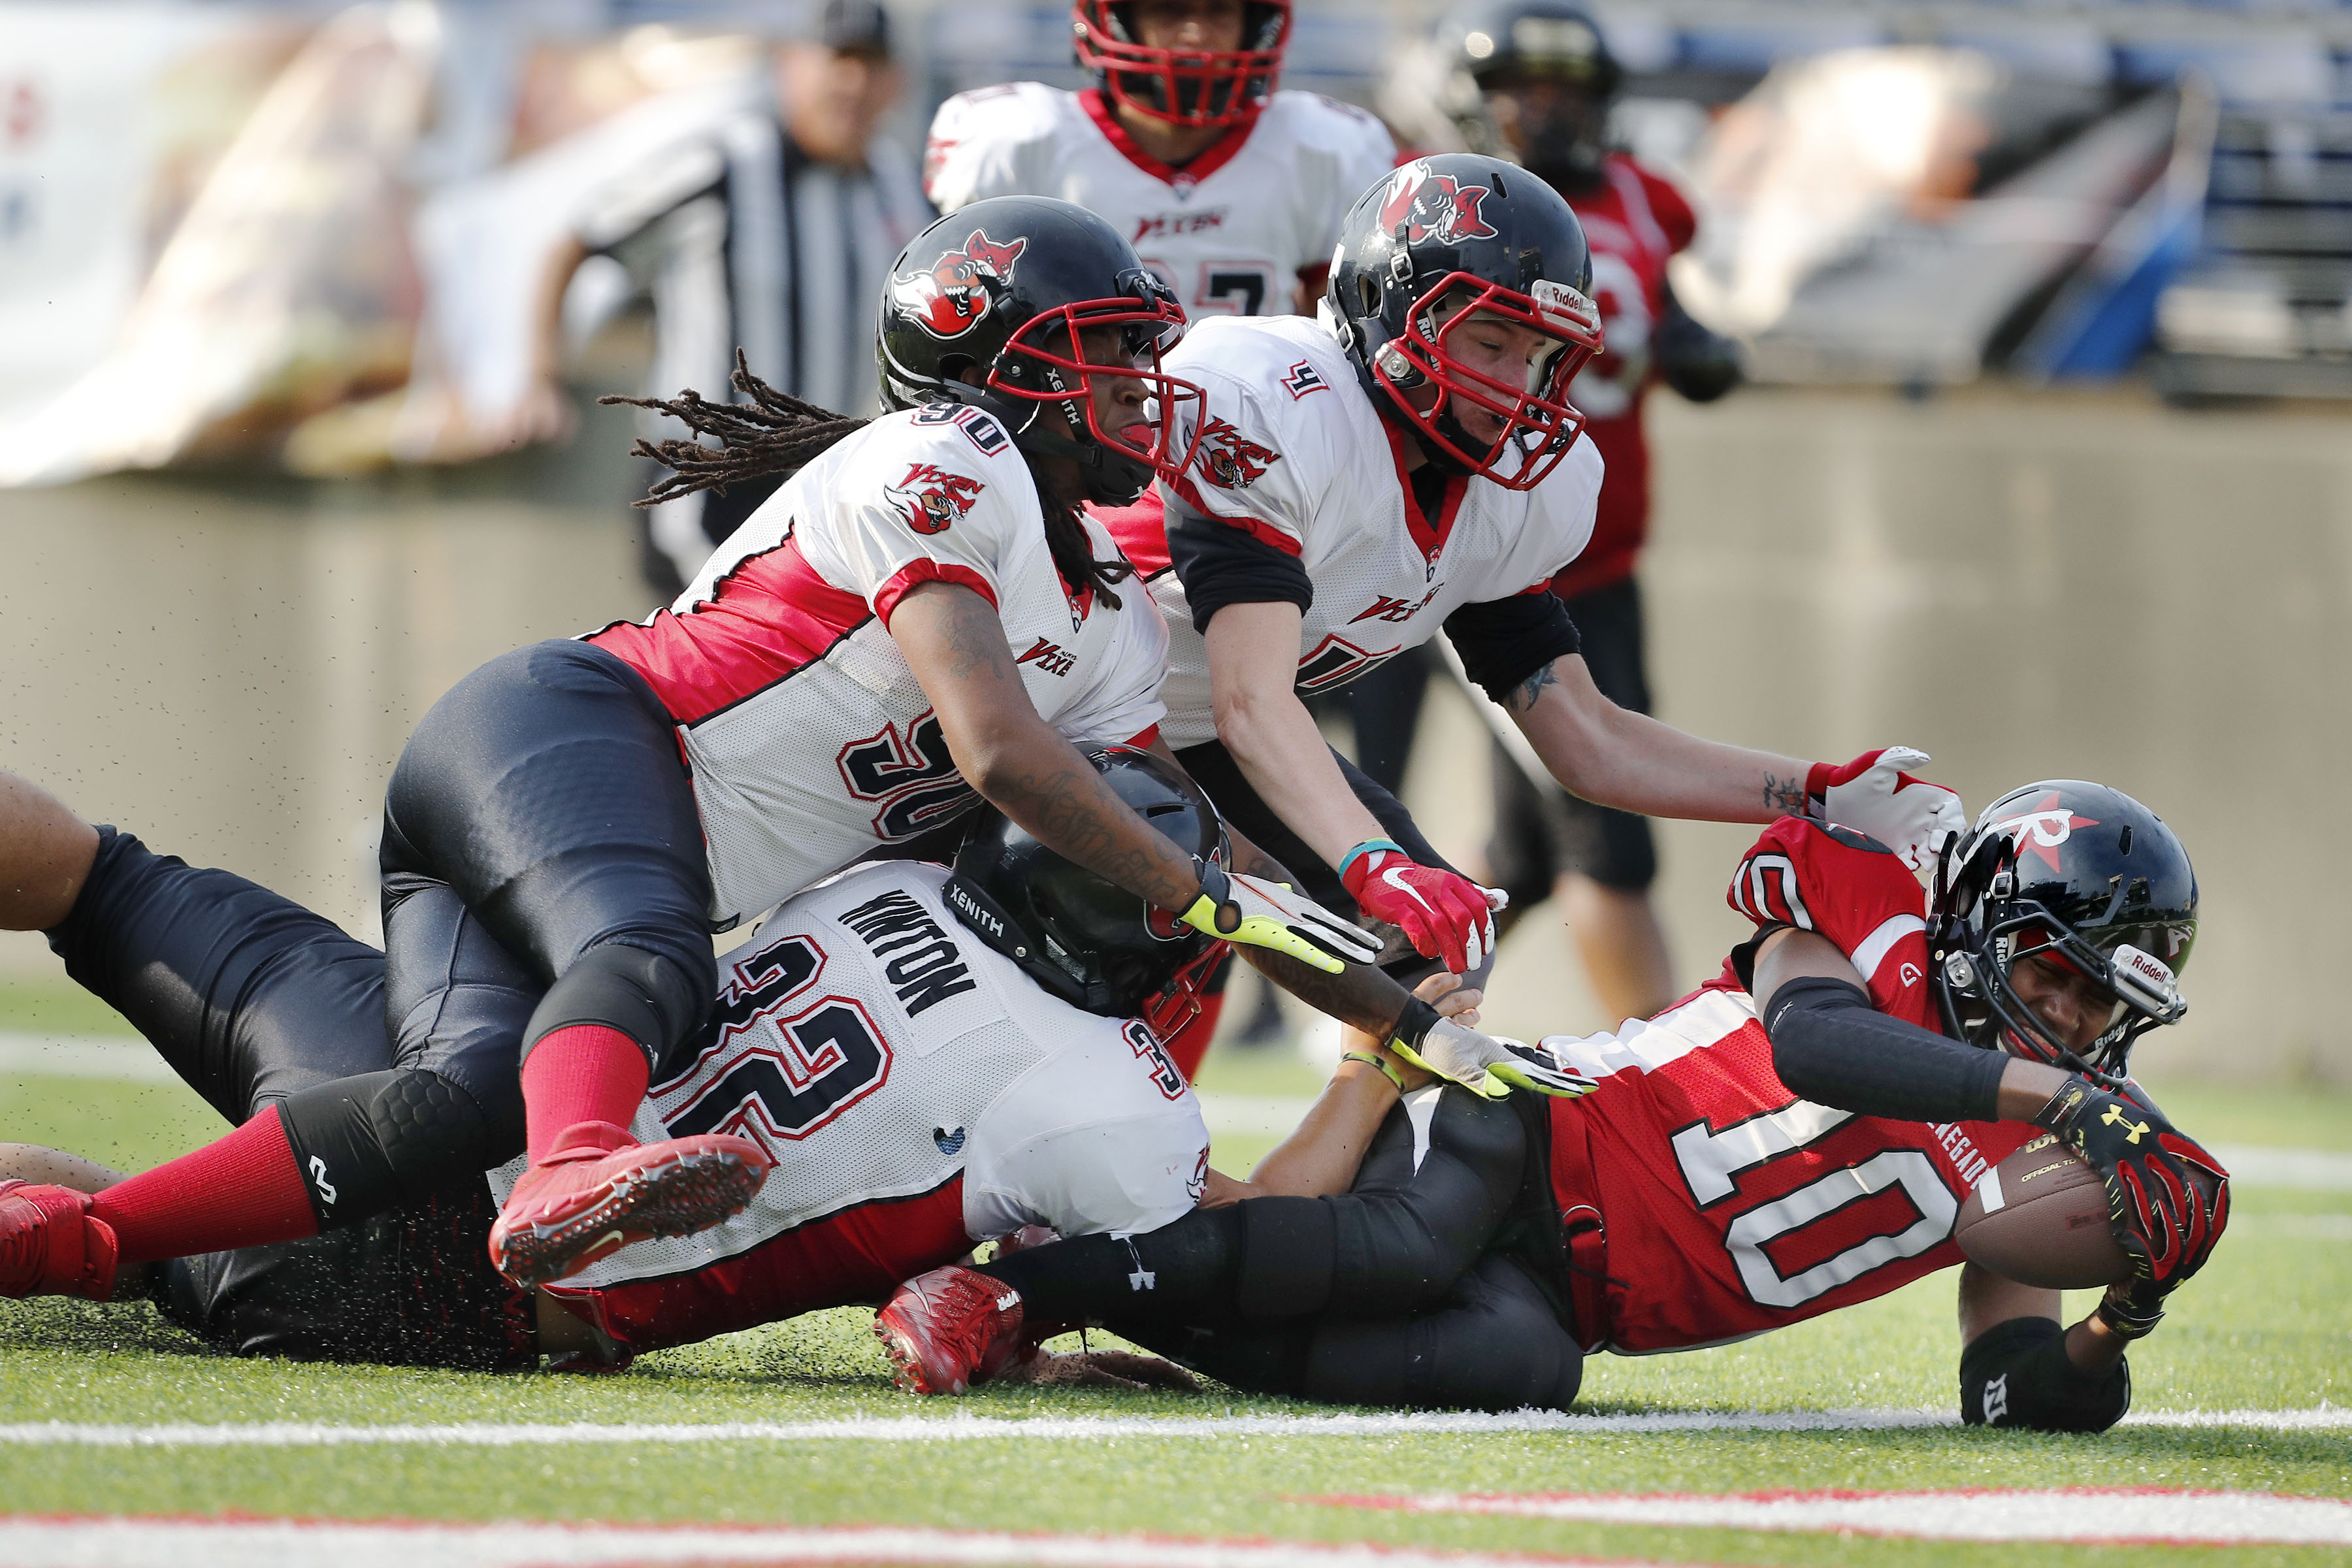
1633,220
1716,1203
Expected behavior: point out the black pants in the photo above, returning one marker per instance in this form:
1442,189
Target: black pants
1237,801
253,999
540,812
1542,832
1420,1286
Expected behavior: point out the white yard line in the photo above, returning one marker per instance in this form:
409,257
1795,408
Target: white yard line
243,1543
2084,1515
120,1056
960,1428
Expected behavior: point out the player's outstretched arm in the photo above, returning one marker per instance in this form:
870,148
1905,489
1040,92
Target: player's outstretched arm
2019,1368
1253,670
955,644
1614,756
45,853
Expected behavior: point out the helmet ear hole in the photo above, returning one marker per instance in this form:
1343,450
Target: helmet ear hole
1368,294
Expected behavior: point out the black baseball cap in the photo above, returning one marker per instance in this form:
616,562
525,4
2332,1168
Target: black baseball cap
855,27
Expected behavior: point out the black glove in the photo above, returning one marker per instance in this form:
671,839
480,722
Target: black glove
2160,1216
2132,1311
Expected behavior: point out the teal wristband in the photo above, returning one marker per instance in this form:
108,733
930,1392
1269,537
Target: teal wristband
1366,848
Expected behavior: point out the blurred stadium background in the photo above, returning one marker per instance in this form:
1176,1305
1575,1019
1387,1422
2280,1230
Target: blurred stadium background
2048,467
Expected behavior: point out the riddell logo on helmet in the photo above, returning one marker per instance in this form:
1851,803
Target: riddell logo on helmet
1433,206
1231,459
2042,829
933,497
959,290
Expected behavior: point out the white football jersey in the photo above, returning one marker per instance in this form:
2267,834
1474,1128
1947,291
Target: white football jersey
1230,232
810,740
1293,451
904,1076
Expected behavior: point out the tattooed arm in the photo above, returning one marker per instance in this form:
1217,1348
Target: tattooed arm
955,644
1616,757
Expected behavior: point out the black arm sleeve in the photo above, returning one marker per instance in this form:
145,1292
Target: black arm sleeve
1504,641
2016,1374
1829,1045
1220,564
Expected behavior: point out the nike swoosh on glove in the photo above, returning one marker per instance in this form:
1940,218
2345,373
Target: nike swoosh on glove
1446,915
1269,915
1872,796
1480,1063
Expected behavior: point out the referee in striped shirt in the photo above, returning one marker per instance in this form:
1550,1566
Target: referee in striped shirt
776,232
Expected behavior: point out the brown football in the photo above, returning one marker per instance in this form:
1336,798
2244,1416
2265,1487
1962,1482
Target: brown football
2040,1217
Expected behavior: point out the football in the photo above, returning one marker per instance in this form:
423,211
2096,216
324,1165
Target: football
2040,1217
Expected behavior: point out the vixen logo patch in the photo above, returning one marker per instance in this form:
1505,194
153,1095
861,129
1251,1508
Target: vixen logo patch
1050,657
1231,461
956,292
932,498
1385,608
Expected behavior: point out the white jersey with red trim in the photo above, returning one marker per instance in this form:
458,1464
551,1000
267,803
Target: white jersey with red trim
918,1093
1292,452
1726,1206
1230,232
810,740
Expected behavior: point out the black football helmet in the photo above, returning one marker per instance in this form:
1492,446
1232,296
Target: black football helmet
1087,941
1007,285
1183,87
1440,240
1553,62
2079,873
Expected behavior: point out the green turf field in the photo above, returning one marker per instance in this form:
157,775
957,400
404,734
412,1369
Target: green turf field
2266,1329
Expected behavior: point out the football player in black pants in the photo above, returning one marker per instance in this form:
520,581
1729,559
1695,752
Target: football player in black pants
1725,1176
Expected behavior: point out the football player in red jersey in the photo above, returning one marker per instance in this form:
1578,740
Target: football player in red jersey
1795,1137
1532,81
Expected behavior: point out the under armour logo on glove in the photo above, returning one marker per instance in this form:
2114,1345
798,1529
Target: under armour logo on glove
1872,796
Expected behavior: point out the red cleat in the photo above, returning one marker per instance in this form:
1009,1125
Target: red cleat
599,1190
51,1246
949,1329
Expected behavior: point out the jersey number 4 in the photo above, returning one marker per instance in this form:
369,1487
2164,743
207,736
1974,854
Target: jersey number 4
806,1063
1819,1216
907,771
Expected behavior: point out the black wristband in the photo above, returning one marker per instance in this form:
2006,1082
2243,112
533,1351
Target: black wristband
1412,1024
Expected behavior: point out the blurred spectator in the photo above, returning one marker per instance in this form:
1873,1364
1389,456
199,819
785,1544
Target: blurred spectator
1532,82
777,233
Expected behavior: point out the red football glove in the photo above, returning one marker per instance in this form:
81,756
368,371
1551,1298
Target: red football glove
1446,916
2168,1199
1872,796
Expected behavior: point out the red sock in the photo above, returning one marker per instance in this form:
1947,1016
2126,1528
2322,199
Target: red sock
583,1073
243,1191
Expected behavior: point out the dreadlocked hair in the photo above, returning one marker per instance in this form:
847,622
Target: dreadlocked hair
776,433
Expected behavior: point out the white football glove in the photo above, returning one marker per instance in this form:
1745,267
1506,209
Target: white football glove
1269,915
1871,795
1482,1064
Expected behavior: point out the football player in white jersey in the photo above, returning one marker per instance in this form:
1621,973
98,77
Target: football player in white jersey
931,1058
1231,191
922,619
1410,461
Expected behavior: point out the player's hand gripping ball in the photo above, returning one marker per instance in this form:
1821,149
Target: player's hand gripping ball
1872,796
2165,1219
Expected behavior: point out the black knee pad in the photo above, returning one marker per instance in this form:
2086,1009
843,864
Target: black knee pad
652,998
1289,1248
366,1144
